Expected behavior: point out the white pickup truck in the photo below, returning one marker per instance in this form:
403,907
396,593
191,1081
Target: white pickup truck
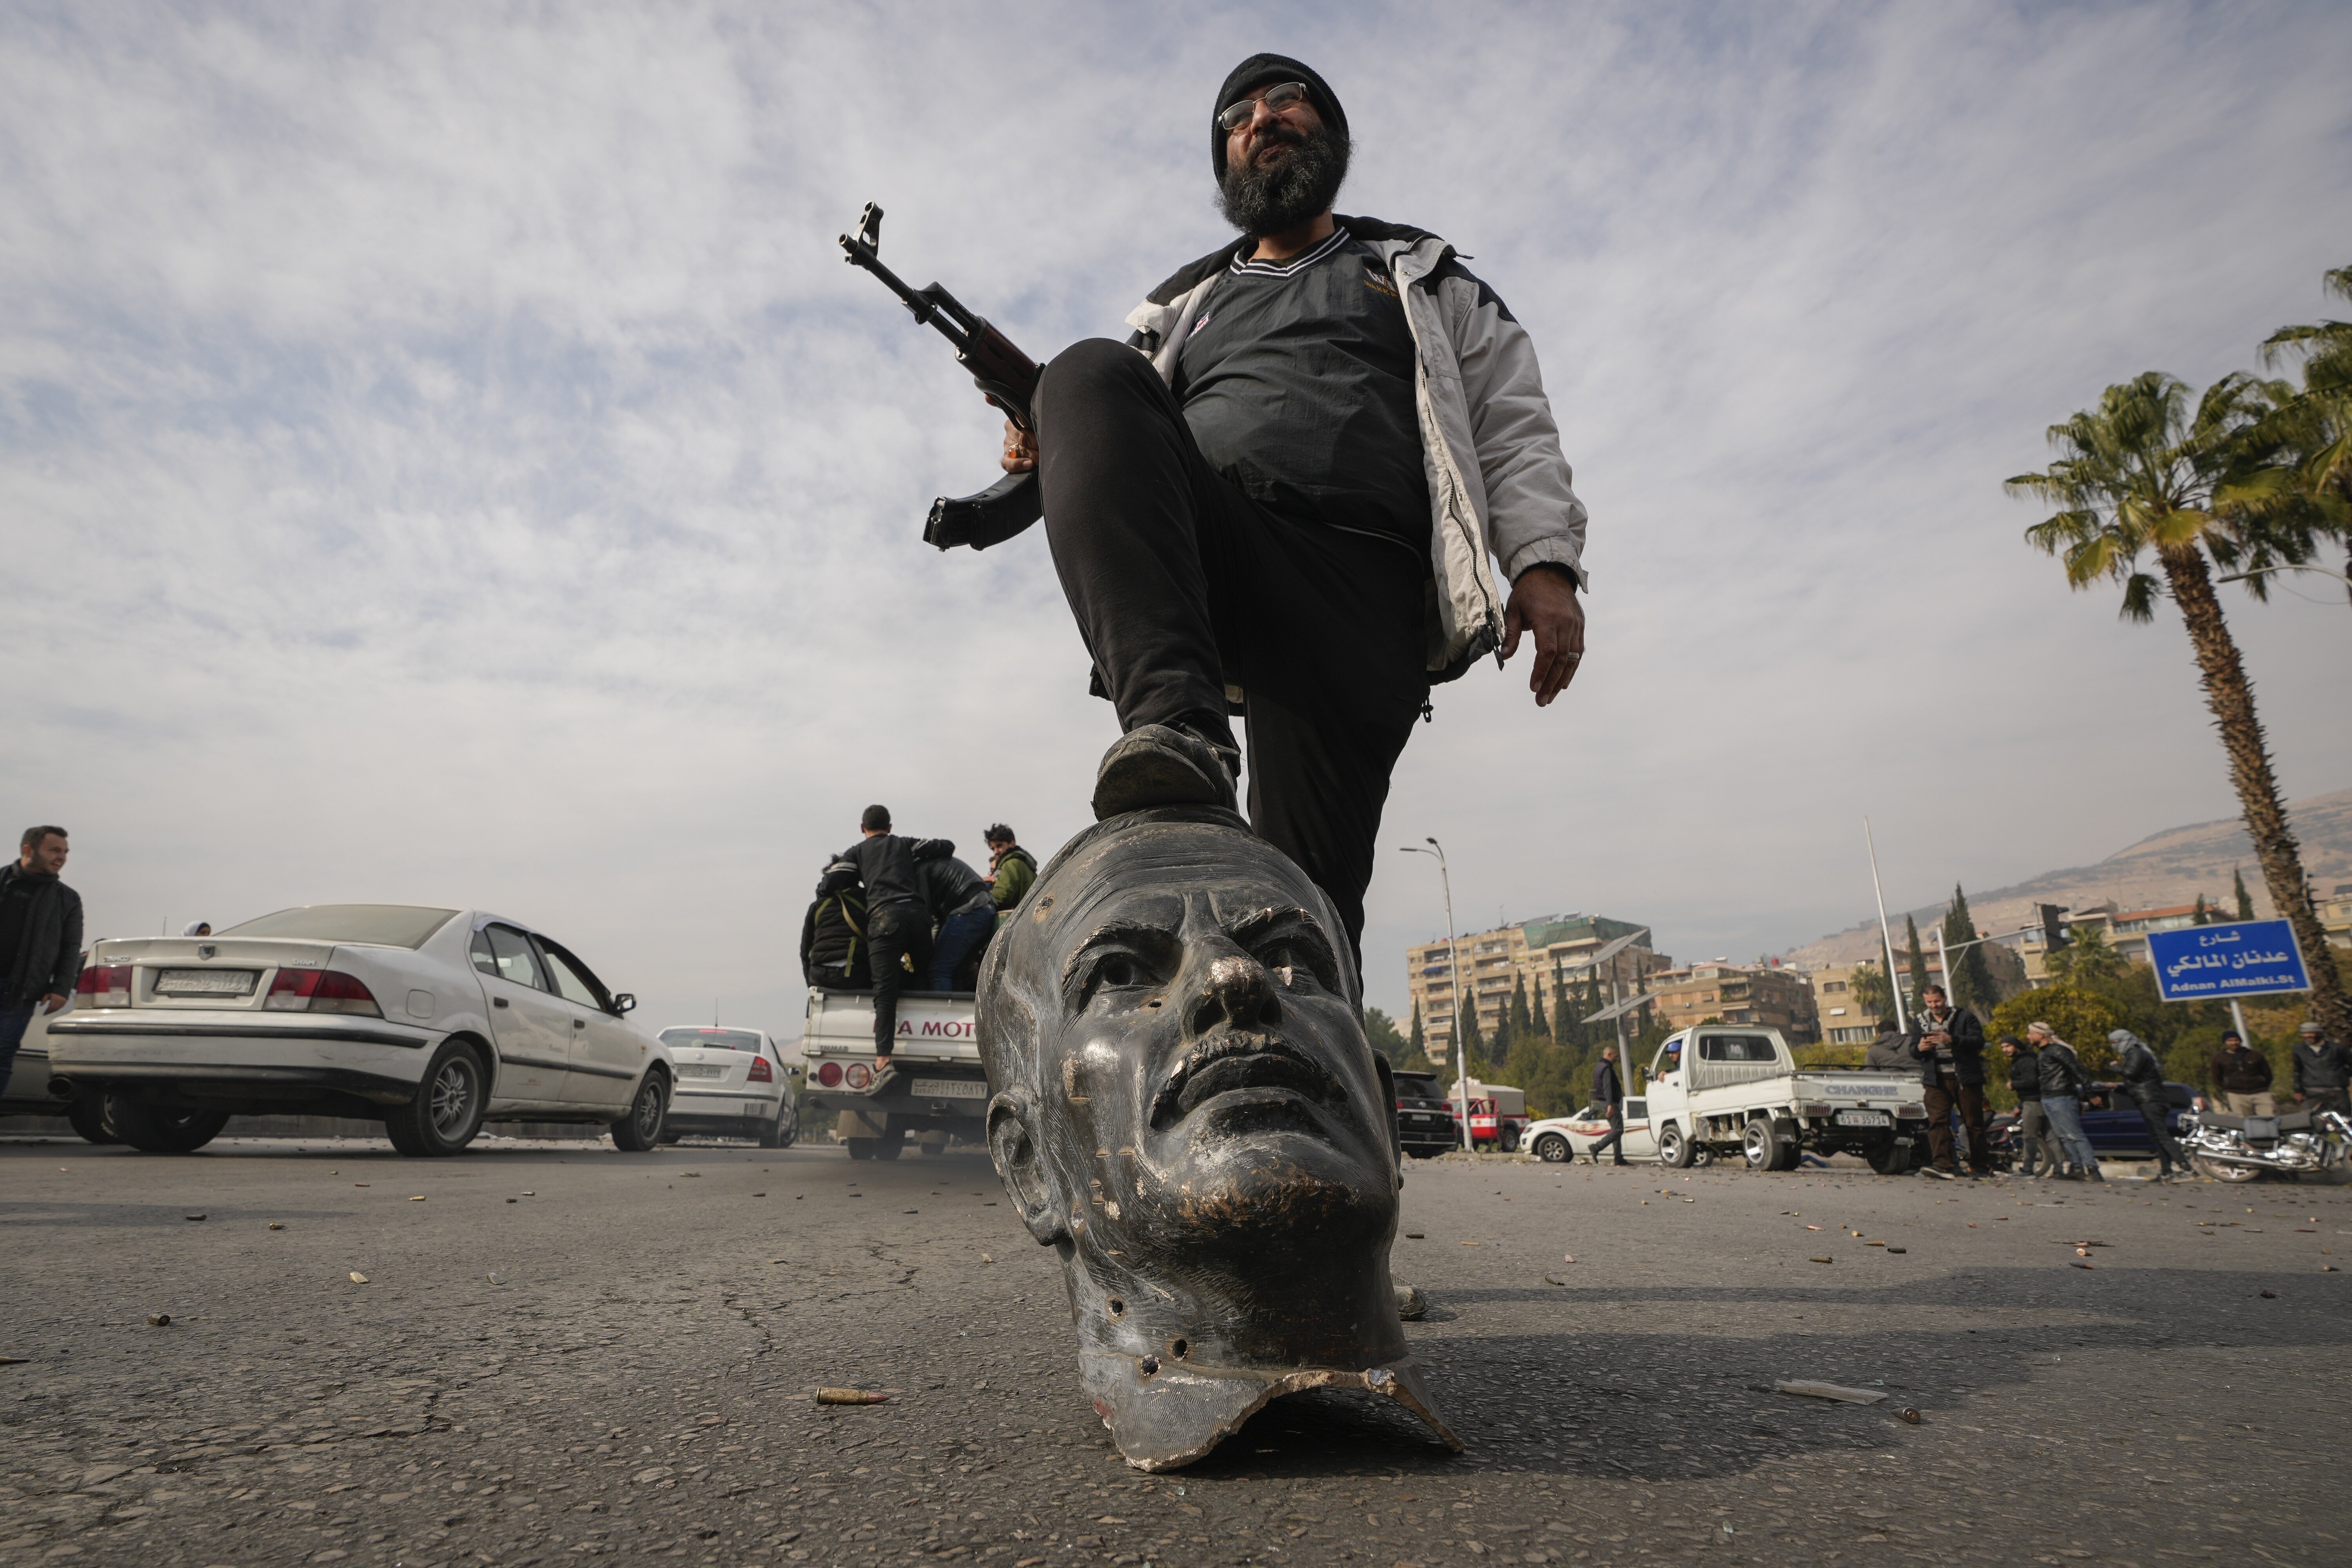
1738,1090
939,1088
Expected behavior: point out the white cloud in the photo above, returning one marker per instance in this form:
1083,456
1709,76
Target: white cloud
446,458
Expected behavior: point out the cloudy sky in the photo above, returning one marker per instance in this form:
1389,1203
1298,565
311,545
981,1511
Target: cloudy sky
444,458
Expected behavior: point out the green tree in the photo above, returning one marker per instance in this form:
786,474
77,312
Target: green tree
2313,424
2246,900
1972,980
1473,1045
2081,1017
2144,475
1522,1019
1381,1031
1541,1019
2202,915
2087,958
1419,1041
1915,962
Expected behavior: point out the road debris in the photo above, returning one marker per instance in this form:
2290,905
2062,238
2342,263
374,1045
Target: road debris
1825,1259
1411,1305
850,1396
1807,1389
417,1199
195,1216
358,1278
1908,1415
159,1321
1898,1249
277,1224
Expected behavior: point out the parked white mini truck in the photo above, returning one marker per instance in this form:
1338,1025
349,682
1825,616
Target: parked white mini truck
1738,1090
939,1088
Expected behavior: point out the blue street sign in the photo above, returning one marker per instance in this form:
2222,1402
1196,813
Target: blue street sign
2210,963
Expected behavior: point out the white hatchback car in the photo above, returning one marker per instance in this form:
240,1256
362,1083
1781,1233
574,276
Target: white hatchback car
430,1020
731,1083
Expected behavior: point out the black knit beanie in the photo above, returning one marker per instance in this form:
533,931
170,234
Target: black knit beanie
1264,70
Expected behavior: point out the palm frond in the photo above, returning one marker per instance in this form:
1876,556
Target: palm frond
2141,591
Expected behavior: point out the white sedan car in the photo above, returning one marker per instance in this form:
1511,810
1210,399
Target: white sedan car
1558,1138
731,1083
430,1020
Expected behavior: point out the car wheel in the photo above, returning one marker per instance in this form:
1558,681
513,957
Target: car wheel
154,1129
891,1144
87,1112
1674,1149
1552,1149
1761,1147
1892,1158
859,1148
2223,1171
641,1128
447,1110
1509,1141
772,1136
669,1138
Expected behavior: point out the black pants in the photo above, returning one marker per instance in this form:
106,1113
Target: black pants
2327,1099
1949,1093
1616,1139
1183,585
893,932
2168,1154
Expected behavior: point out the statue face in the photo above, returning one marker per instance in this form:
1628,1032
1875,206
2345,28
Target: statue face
1186,1106
1202,1082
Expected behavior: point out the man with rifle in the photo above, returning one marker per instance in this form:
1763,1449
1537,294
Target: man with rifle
1283,498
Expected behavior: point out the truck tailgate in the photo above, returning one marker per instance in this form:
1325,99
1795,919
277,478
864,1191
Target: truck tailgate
933,1027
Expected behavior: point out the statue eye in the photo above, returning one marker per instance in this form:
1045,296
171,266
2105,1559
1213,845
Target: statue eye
1119,969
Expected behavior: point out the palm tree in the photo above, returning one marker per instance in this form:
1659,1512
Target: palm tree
2143,475
2315,422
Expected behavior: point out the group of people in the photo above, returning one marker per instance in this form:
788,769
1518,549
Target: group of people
890,910
2323,1074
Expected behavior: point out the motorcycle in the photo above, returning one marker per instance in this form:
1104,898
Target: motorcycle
2241,1148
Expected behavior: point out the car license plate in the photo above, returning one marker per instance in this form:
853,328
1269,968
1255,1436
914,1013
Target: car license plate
951,1089
1864,1118
698,1070
205,982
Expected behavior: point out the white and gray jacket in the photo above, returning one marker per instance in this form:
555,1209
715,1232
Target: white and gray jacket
1499,483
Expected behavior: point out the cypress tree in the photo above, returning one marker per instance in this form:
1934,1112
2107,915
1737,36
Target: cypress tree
2245,900
1542,1018
1522,1020
1419,1045
2202,915
1971,977
1915,962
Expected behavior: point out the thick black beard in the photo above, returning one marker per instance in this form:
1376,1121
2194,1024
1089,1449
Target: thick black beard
1300,188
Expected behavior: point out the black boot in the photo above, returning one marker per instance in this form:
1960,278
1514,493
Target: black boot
1164,765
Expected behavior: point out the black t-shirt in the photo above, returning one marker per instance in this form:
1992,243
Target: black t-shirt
16,896
1298,382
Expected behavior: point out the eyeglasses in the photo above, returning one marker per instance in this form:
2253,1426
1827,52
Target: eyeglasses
1279,98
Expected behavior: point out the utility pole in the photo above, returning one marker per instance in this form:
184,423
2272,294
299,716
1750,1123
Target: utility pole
1885,936
1452,981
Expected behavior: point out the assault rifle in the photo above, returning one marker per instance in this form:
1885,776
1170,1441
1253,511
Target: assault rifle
1005,376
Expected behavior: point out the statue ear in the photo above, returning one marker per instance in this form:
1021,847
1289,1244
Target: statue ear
1013,1145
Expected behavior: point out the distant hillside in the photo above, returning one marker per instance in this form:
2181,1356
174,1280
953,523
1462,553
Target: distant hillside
2169,868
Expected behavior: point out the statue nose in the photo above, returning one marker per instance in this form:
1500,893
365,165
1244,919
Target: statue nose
1236,990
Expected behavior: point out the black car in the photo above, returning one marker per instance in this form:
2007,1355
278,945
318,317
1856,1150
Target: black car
2111,1119
1424,1120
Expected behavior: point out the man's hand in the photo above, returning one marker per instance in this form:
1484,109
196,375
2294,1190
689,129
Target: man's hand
1543,600
1020,449
52,1002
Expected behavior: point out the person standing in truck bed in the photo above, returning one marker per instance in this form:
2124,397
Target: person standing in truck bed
897,919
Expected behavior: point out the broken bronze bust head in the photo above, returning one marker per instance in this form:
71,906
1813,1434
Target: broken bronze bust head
1185,1106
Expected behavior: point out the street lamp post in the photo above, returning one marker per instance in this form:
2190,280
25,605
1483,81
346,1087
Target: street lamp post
1453,980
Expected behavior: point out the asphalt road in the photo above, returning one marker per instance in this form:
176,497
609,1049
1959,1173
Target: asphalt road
565,1352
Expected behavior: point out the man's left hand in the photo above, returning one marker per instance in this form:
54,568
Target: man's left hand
1543,600
52,1002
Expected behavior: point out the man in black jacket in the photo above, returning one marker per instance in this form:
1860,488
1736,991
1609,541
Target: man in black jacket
1609,1093
964,904
2322,1071
897,919
2243,1076
1949,1045
832,932
2033,1135
40,938
2143,1085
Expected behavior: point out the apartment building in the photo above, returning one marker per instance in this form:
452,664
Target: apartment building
1488,966
1736,994
1844,1021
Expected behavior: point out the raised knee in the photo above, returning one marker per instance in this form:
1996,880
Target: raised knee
1091,363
